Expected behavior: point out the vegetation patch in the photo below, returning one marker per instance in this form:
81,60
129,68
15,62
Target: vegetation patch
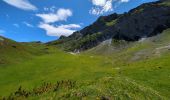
44,88
111,23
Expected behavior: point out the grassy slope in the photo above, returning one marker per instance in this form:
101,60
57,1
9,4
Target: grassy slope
50,68
13,52
166,3
139,71
146,61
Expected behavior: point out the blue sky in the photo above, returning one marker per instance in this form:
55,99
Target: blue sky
46,20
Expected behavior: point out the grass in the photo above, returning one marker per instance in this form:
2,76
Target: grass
50,68
13,52
139,61
111,23
97,74
166,3
152,72
113,88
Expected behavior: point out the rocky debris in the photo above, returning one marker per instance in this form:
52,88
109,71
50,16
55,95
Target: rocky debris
159,50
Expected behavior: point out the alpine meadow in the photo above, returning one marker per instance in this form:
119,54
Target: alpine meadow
120,56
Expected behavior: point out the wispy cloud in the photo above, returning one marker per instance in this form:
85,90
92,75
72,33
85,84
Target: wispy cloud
58,31
70,26
124,0
28,24
60,15
50,9
21,4
103,6
16,25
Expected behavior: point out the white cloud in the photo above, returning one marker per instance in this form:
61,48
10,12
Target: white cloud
51,9
58,31
27,24
70,26
21,4
99,2
60,15
124,0
103,6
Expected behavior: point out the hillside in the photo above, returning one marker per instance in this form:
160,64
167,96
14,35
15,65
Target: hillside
123,57
14,52
138,71
144,21
144,47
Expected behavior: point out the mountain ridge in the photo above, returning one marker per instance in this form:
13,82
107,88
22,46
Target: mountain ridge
146,20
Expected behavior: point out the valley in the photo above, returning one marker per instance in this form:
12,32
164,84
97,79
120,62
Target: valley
118,57
122,71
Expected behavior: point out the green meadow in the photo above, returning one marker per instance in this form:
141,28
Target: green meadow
133,71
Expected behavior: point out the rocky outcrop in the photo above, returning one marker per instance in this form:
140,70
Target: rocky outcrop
147,20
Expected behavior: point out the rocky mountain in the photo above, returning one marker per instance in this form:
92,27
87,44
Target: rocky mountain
147,20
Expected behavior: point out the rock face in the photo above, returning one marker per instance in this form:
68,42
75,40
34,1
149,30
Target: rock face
147,20
144,21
